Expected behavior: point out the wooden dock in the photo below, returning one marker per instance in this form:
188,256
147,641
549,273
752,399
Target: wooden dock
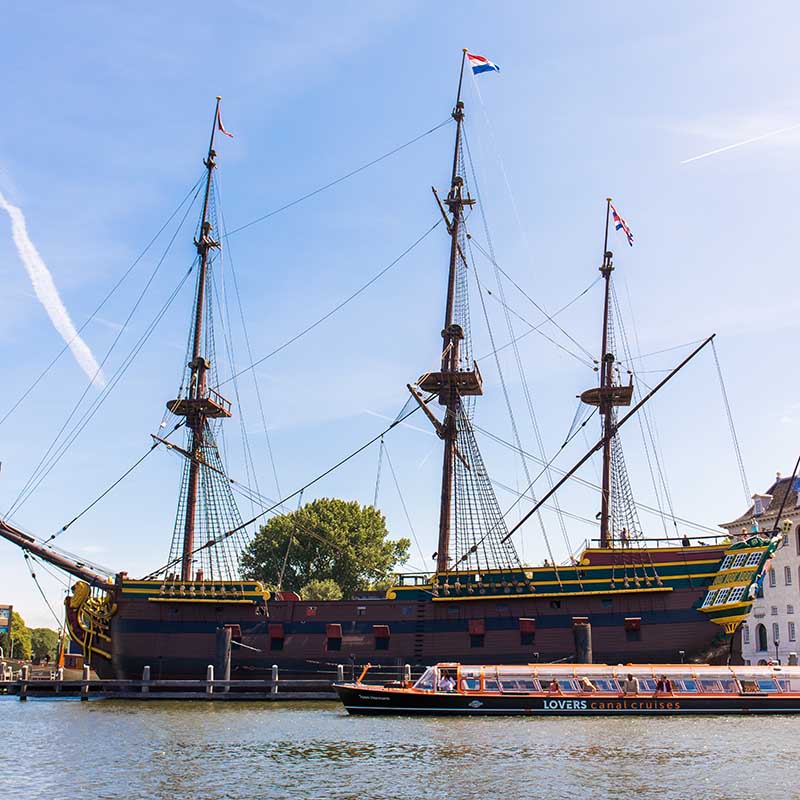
273,689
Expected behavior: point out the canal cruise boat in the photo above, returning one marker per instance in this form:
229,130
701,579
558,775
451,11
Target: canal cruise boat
581,689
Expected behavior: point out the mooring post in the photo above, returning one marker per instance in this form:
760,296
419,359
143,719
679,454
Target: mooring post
146,679
340,673
582,631
23,682
223,662
274,679
407,674
85,683
59,678
210,679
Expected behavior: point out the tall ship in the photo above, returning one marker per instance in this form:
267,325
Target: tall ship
645,602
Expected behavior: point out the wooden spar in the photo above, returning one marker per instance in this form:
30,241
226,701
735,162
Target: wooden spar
451,339
606,380
28,543
600,443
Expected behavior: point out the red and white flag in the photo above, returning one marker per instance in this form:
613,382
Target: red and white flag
220,126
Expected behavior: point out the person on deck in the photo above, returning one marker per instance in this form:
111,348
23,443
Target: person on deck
553,687
587,685
664,685
631,685
447,684
685,541
623,537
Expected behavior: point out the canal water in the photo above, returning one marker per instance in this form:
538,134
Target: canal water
65,749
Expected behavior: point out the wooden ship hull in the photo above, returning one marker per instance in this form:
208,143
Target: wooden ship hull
172,629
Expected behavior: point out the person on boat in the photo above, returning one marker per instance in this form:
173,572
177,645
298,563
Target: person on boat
631,685
623,537
553,687
587,685
447,684
664,685
685,541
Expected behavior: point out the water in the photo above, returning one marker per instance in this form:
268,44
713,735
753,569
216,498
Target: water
65,749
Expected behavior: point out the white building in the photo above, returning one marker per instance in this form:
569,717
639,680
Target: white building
770,631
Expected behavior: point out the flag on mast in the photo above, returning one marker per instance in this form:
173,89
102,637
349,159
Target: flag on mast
220,126
481,64
620,224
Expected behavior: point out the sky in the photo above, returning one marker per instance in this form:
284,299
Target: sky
108,112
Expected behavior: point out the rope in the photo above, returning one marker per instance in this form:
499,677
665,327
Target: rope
28,558
378,476
339,180
336,308
403,502
734,437
99,307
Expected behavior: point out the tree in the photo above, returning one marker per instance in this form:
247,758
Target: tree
321,590
44,642
20,639
327,540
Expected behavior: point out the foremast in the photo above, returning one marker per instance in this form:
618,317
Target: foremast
199,403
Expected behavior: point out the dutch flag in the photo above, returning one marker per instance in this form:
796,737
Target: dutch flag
620,224
481,64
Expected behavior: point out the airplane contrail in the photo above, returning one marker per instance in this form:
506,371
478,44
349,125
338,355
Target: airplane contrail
48,296
739,144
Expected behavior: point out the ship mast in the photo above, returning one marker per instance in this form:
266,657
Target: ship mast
452,335
606,378
200,403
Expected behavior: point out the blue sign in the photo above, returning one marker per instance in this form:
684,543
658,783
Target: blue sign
5,619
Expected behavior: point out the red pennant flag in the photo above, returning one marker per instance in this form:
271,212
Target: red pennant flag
220,126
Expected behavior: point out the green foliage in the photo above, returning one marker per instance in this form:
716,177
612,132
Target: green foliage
44,642
331,539
21,636
326,589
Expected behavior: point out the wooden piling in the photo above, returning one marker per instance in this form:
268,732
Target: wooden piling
146,679
222,667
85,683
274,679
23,683
582,631
340,673
210,679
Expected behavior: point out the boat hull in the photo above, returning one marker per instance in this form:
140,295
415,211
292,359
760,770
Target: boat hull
372,700
178,640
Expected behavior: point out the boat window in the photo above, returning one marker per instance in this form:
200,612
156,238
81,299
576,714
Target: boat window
749,687
426,680
710,686
729,685
568,685
684,685
709,599
753,559
606,685
490,684
736,594
726,562
470,679
518,683
790,684
767,685
647,684
722,597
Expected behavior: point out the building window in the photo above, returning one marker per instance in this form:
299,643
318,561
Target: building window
798,534
790,609
792,632
787,575
776,632
773,580
476,640
746,634
761,636
785,542
774,611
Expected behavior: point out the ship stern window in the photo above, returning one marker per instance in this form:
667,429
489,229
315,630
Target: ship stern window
333,636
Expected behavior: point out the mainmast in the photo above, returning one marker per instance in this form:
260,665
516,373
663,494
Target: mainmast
607,396
200,403
450,383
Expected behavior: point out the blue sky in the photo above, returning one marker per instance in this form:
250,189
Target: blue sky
107,114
